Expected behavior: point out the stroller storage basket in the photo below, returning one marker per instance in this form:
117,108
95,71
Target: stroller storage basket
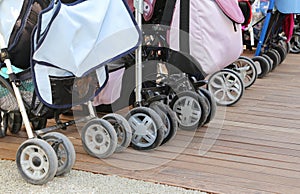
8,100
288,6
69,91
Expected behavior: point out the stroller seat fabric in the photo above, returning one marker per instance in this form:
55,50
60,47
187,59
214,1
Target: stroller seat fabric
68,42
212,34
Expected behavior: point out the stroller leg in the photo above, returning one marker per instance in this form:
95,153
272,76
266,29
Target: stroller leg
92,112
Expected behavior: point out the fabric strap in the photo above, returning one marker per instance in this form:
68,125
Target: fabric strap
184,25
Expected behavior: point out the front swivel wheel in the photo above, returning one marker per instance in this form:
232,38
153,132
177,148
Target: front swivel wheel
99,138
36,161
226,86
147,128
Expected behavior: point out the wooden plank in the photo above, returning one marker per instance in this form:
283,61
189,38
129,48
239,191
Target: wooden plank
252,147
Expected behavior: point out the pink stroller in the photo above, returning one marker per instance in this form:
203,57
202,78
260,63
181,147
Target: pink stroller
191,47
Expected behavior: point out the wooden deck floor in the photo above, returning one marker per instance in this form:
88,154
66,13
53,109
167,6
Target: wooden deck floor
253,147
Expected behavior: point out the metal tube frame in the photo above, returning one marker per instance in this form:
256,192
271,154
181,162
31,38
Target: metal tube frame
139,8
17,93
264,28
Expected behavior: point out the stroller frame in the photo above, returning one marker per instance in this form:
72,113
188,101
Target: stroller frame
46,146
45,155
272,47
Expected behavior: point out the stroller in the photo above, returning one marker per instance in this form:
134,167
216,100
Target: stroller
272,32
41,84
180,82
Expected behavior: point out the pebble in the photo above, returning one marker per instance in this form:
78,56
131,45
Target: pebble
81,182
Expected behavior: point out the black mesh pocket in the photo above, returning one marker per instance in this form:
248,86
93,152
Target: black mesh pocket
72,91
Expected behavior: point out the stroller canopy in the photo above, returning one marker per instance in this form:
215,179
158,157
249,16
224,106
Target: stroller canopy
79,38
9,13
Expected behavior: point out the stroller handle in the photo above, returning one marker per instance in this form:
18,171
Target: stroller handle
4,55
2,42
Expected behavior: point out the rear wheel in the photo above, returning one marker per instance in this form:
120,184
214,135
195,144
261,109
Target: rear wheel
263,64
14,122
212,102
3,124
169,119
275,57
248,70
295,43
123,130
282,52
39,123
64,150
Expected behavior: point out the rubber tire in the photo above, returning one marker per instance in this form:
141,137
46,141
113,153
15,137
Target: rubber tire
269,61
40,123
274,55
3,124
295,44
282,52
167,115
50,157
205,106
253,68
14,122
212,102
285,45
111,132
117,121
264,64
200,120
157,122
236,75
64,167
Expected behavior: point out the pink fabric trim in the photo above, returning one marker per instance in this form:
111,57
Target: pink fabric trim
232,10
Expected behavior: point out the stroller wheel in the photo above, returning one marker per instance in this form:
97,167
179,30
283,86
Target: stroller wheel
14,122
188,108
99,138
169,119
295,43
64,149
3,124
281,51
263,65
285,45
248,70
270,62
274,55
226,86
36,161
40,123
147,128
123,130
212,104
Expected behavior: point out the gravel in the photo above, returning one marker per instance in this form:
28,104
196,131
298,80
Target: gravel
81,182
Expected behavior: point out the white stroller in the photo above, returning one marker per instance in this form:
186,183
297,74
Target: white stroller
66,69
